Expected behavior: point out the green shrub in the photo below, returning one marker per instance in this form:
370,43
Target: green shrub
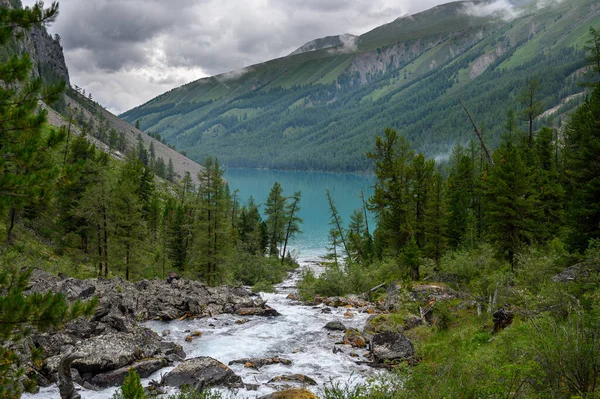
131,387
263,286
188,393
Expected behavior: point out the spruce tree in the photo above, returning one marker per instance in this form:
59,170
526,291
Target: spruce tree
510,202
392,200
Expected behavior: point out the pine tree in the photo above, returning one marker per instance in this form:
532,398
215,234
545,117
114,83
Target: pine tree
460,196
24,181
423,174
170,173
25,178
337,234
532,108
583,172
436,221
392,200
213,237
275,213
510,203
293,221
251,229
549,193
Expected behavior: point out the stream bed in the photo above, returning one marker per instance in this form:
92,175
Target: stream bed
297,335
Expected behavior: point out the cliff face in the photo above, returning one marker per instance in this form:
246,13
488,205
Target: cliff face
44,50
49,57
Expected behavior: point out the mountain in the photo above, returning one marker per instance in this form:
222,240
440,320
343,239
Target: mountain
49,64
321,109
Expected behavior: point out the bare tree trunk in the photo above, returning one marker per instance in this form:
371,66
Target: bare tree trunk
13,216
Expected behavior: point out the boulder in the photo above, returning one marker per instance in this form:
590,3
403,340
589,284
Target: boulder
294,378
116,350
202,372
264,311
390,346
116,377
335,326
392,296
294,393
260,362
355,338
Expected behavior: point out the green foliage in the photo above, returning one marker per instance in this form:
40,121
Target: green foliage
263,286
187,393
131,387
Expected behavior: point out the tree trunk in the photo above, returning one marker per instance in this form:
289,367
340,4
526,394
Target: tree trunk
99,250
13,216
105,242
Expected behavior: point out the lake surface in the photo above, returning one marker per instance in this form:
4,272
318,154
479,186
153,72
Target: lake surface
345,190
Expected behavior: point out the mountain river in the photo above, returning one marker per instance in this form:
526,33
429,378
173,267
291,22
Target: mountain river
297,334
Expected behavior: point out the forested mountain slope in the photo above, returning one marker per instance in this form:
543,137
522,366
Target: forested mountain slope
321,109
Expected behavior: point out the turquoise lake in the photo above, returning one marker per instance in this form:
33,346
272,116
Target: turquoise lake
345,190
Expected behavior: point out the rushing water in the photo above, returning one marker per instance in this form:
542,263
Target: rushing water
298,334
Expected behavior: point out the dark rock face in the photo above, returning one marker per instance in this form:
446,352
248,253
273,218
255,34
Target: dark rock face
202,372
392,296
111,341
116,377
335,326
503,318
391,346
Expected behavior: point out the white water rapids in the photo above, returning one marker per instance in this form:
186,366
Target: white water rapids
297,334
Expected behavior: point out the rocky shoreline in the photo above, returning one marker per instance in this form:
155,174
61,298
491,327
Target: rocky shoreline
113,339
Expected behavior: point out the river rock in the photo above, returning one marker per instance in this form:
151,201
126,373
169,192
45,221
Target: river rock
294,378
264,311
294,393
335,326
260,362
202,372
116,377
391,346
112,338
355,338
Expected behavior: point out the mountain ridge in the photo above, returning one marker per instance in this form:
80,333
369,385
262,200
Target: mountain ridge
405,74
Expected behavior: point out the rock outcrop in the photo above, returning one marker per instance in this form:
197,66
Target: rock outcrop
335,326
202,372
111,341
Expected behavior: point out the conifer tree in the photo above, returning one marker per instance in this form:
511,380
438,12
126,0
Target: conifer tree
293,221
275,213
22,183
252,234
392,199
510,203
460,196
423,174
436,221
583,172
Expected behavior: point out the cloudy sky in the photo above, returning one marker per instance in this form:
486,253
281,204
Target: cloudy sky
126,52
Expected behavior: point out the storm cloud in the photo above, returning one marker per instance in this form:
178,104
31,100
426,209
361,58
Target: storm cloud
126,52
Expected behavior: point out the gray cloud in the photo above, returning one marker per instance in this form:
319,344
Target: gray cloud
127,51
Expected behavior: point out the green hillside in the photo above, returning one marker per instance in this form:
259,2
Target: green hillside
321,110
